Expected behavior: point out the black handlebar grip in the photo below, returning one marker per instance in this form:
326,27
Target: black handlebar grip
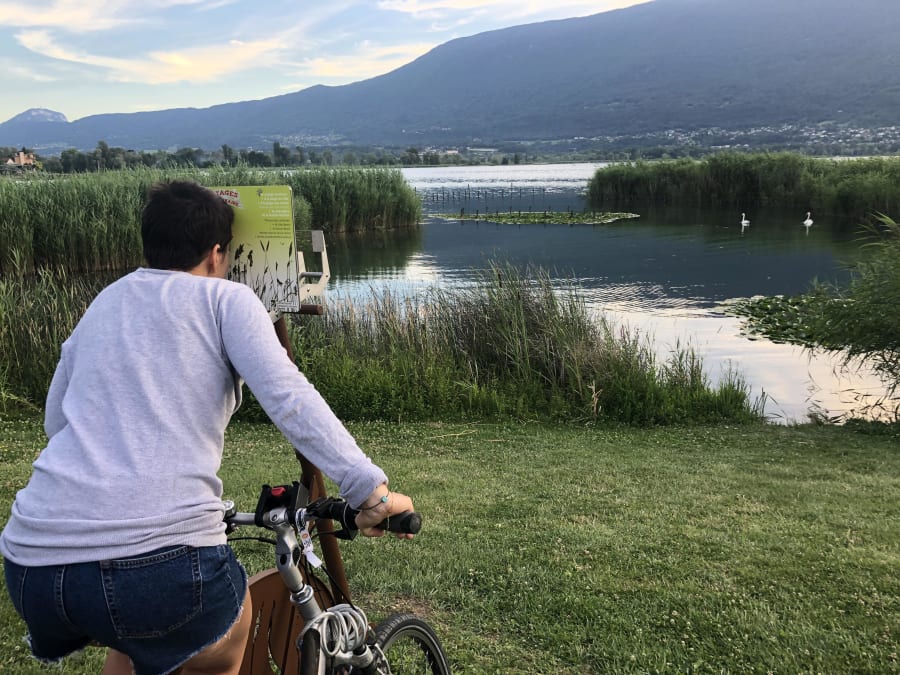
408,522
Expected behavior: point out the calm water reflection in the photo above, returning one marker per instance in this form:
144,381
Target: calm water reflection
667,273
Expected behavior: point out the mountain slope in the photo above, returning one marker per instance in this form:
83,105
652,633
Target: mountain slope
665,64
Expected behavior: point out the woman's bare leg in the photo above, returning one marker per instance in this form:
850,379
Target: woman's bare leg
116,663
225,656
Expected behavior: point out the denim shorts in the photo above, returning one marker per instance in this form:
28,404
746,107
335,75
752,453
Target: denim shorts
160,608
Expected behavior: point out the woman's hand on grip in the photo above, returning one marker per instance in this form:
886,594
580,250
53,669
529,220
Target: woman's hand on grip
379,505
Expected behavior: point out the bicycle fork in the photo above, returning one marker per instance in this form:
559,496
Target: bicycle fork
340,633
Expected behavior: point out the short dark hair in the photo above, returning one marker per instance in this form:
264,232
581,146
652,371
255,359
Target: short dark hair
181,222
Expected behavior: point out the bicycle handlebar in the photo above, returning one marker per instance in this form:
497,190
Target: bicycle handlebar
288,497
408,522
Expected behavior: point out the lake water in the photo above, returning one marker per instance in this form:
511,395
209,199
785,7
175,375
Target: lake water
666,274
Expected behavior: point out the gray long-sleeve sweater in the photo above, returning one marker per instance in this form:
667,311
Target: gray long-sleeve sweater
136,417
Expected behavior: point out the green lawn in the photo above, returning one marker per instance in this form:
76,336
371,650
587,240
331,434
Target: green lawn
552,549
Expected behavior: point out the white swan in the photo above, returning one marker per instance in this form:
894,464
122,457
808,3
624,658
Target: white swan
808,220
744,221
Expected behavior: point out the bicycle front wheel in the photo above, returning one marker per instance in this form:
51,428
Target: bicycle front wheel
411,646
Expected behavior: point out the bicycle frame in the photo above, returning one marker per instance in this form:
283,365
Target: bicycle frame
331,637
277,635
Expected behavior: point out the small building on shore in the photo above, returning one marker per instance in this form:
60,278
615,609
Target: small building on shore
21,161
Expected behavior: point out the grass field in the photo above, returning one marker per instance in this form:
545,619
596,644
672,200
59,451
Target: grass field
549,549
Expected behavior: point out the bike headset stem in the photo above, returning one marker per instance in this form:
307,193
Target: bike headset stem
287,560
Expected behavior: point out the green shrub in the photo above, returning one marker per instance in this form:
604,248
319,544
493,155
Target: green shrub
752,180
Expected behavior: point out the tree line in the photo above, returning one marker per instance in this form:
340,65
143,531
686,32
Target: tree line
107,158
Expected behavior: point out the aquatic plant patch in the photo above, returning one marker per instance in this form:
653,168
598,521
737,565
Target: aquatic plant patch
542,217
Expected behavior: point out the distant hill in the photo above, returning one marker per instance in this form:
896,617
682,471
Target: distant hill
666,64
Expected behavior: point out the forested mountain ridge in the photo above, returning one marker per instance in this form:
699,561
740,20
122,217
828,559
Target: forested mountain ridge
666,64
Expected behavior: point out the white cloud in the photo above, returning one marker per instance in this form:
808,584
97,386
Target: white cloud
365,61
87,16
25,73
194,64
70,15
519,9
440,25
424,6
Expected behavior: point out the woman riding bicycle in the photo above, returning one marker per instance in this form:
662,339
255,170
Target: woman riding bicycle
118,537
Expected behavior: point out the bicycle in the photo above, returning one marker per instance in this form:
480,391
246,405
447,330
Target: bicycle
299,628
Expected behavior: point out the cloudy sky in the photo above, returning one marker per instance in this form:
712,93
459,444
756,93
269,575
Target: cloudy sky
83,57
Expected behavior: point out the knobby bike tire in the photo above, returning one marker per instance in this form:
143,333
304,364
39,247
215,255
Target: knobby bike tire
411,646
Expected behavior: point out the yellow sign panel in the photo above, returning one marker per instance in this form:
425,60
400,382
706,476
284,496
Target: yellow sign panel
263,249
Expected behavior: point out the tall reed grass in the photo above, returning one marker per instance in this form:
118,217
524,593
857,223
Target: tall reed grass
91,222
509,347
37,314
746,181
354,199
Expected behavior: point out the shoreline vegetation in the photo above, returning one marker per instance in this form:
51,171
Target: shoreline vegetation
512,346
91,222
541,217
851,187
